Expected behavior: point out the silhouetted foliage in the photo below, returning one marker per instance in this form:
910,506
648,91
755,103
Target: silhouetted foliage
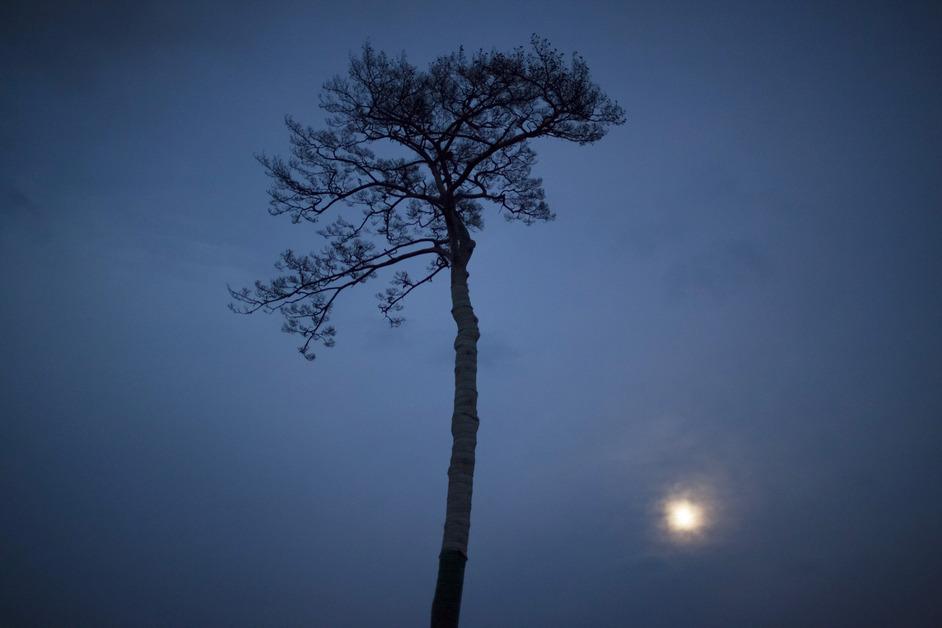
464,126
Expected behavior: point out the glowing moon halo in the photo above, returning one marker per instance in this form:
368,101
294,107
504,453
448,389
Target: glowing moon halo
684,516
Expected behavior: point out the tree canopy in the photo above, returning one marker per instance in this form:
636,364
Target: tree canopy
420,154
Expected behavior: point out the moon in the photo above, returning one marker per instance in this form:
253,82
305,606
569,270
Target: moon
684,516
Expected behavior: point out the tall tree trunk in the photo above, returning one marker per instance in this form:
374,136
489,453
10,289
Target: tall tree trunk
464,428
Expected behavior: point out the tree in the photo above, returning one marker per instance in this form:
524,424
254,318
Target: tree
463,128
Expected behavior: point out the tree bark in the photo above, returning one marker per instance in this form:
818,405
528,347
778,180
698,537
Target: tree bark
464,427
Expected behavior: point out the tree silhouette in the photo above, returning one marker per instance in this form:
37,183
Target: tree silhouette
462,130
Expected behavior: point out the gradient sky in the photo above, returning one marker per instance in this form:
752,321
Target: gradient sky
740,299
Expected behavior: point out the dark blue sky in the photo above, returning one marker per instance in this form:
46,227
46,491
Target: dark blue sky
739,300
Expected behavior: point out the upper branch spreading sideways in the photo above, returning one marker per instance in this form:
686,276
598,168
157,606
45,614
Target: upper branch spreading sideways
408,160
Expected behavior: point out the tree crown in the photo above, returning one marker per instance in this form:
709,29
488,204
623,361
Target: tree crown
462,131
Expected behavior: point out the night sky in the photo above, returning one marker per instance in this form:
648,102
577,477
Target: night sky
739,303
